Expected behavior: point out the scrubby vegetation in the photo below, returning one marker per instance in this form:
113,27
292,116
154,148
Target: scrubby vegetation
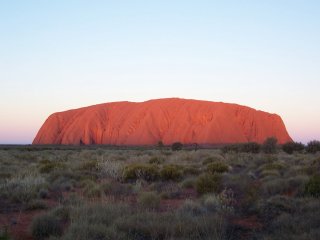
242,191
292,147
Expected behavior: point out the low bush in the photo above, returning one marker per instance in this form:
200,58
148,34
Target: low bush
312,187
45,226
223,202
207,183
167,190
50,166
275,205
61,212
156,160
217,167
250,147
188,183
275,186
177,146
171,172
22,188
148,172
211,159
212,203
89,165
93,191
111,169
269,146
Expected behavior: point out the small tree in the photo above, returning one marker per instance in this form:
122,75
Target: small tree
270,145
160,145
196,146
177,146
291,147
313,146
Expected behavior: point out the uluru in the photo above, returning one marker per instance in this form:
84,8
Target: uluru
168,120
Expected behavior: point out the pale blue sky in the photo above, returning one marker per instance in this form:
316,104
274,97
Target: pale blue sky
57,55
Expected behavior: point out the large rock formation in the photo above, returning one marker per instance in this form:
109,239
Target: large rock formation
166,120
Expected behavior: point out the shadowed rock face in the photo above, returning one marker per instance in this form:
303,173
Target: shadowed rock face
167,120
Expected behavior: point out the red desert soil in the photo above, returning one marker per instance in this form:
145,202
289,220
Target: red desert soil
167,120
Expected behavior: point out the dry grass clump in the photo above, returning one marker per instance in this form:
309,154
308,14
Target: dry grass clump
207,183
111,169
148,172
22,188
171,172
217,167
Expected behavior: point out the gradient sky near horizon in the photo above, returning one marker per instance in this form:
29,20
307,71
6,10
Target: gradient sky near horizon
58,55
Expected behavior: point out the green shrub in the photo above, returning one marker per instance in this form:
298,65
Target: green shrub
149,200
156,160
61,212
171,172
312,187
90,165
136,171
207,183
177,146
275,205
223,202
211,159
188,183
291,147
45,226
275,186
93,191
212,203
217,167
50,166
270,145
313,146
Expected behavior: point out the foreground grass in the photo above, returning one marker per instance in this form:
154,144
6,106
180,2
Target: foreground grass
105,193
